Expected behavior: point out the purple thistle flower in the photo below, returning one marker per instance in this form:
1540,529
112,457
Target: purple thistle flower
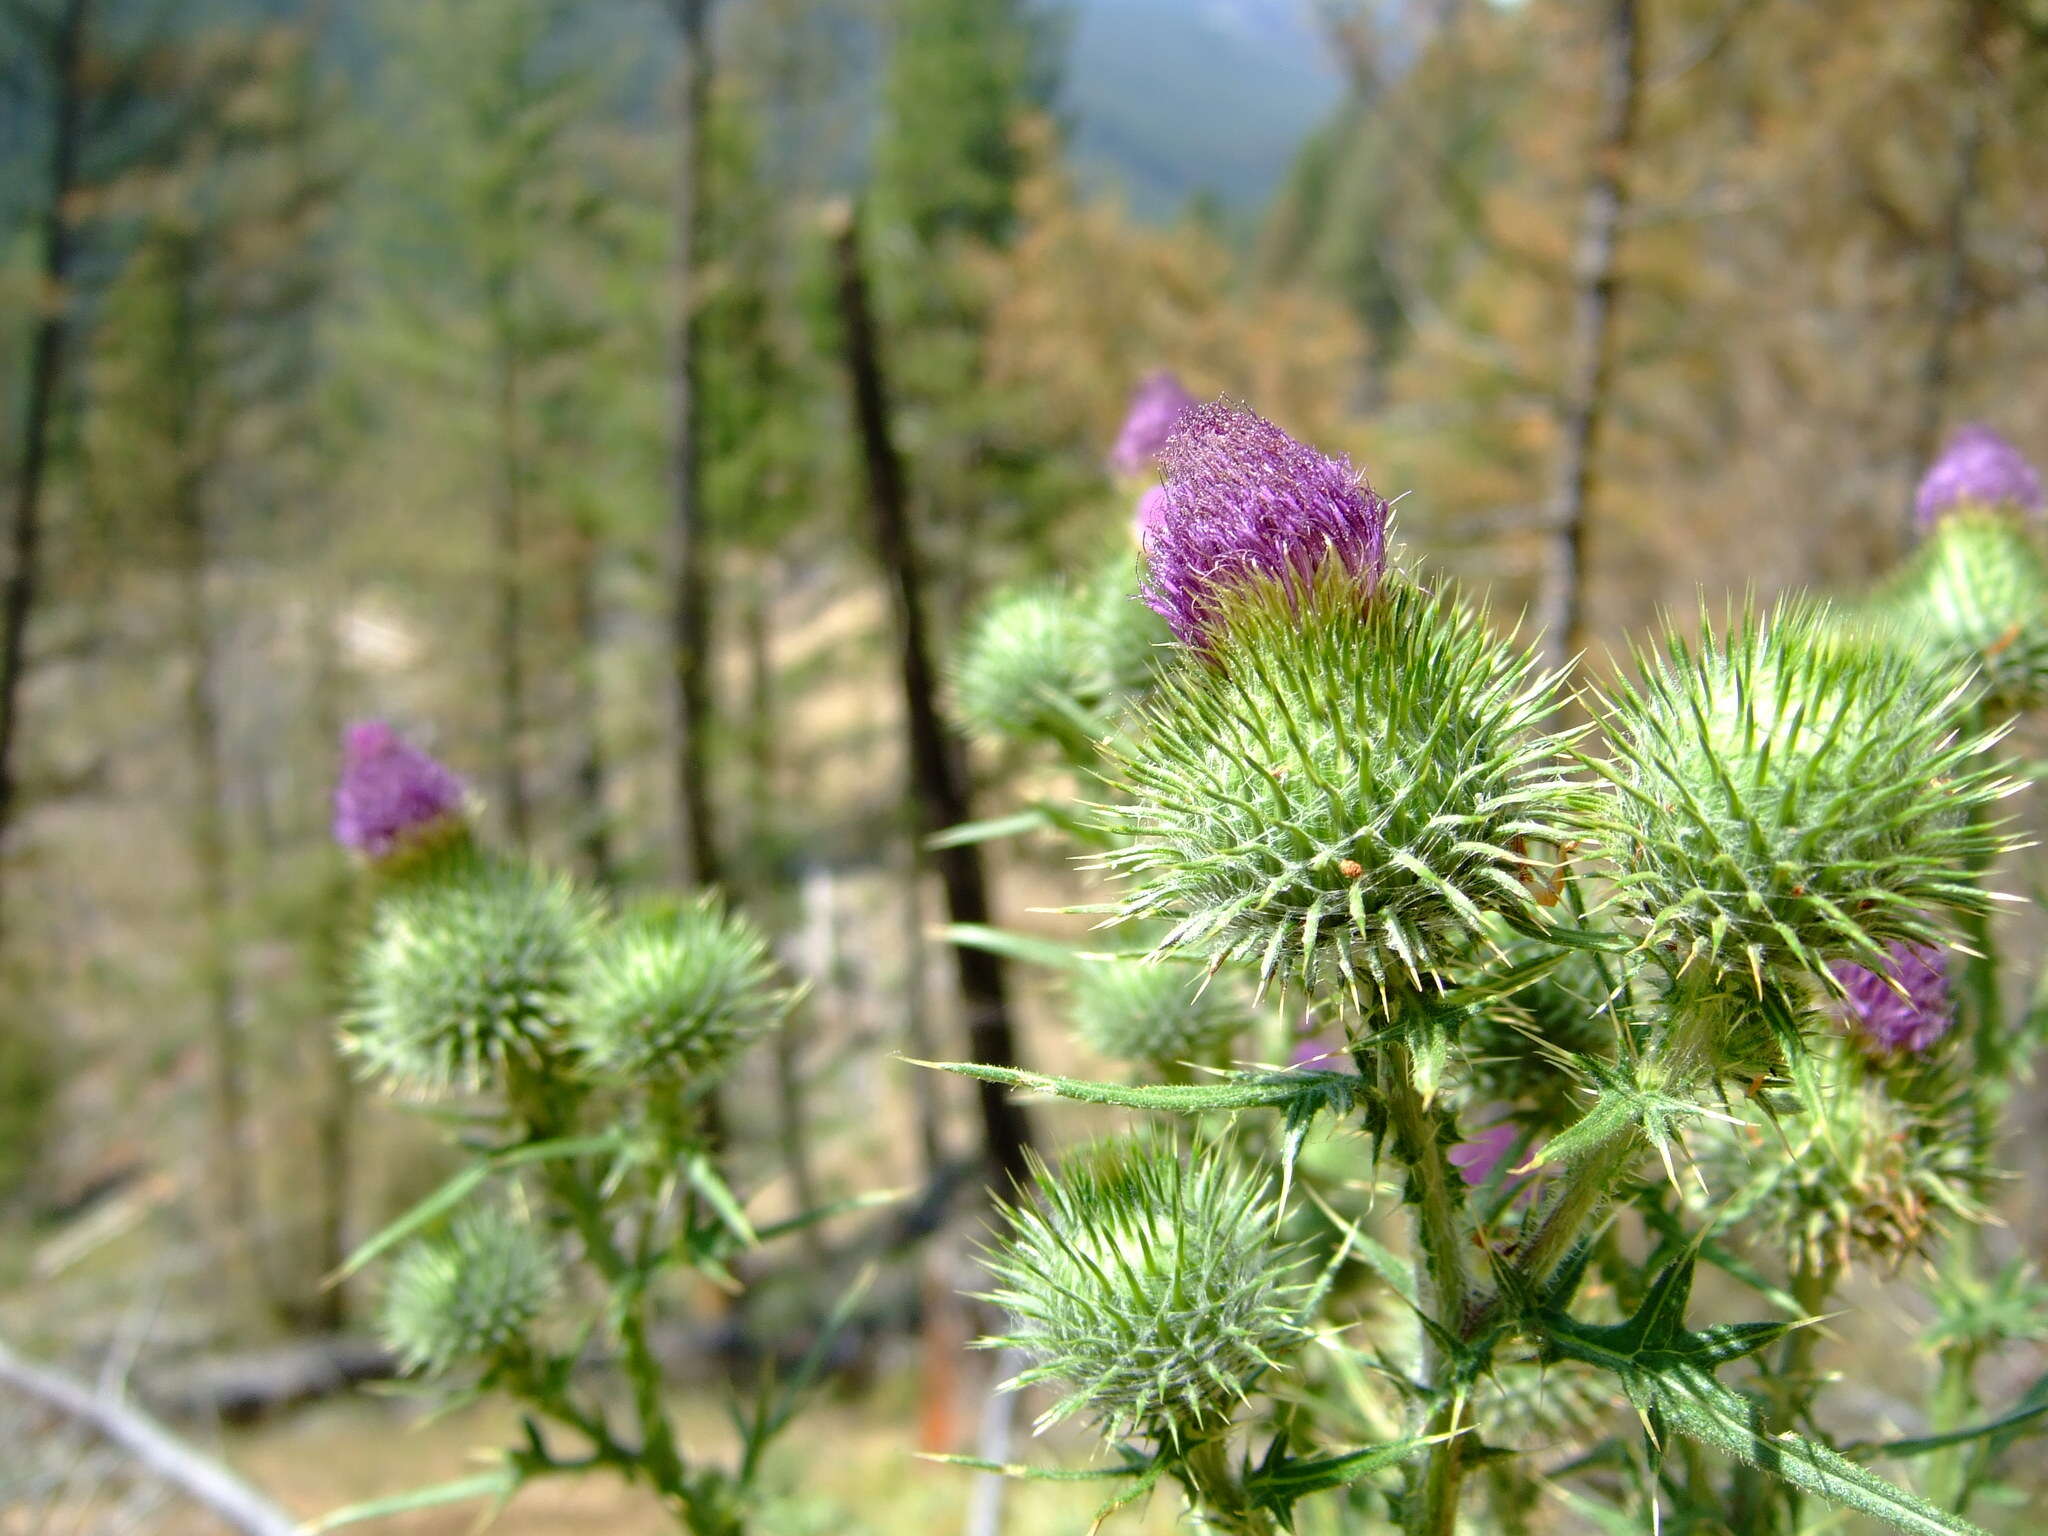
1321,1051
1151,512
1157,404
1479,1156
1976,468
1244,500
389,791
1904,1007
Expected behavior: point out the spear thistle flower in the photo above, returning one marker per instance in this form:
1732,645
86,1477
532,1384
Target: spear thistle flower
390,793
1906,1005
1976,468
1245,502
1156,405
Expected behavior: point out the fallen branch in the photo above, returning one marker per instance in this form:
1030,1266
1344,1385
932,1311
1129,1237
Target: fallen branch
204,1481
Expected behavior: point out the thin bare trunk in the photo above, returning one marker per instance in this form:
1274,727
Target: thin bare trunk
938,777
509,561
327,959
593,830
46,354
1590,367
1952,278
219,984
688,551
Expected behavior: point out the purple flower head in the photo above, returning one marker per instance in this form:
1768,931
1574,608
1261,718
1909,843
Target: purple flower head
1244,500
1321,1051
1479,1156
1151,512
1156,405
389,790
1976,468
1904,1007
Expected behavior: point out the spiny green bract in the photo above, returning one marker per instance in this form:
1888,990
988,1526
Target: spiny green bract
1148,1287
1155,1012
468,964
1976,594
467,1295
1342,784
1791,794
674,992
1027,669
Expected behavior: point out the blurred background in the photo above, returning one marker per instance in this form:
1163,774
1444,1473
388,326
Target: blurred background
486,365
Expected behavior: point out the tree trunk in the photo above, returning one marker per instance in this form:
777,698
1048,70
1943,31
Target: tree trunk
509,561
688,552
25,536
593,821
938,777
327,957
219,985
1590,365
1953,275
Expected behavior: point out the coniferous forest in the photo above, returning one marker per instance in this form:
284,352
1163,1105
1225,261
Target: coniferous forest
789,767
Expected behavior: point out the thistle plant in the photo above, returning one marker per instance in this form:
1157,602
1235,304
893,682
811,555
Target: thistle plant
1725,960
576,1048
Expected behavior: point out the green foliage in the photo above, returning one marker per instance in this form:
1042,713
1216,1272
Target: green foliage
469,967
1147,1286
673,993
1345,793
1154,1013
1790,793
470,1295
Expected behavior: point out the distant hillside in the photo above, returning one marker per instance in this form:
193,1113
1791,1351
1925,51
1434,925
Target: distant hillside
1169,98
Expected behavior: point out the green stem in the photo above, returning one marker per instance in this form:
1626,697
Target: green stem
1417,1138
1212,1481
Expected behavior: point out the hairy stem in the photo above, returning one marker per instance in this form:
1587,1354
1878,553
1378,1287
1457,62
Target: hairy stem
1416,1132
1217,1490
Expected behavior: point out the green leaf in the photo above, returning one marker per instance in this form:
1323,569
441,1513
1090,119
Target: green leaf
1035,1474
1921,1445
831,1208
990,830
1696,1405
1233,1091
705,1179
1013,946
459,1187
1277,1485
484,1485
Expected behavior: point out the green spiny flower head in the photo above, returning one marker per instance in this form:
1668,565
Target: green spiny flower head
1340,786
1881,1163
1127,639
1148,1286
1789,794
674,992
1154,1012
467,1295
468,967
1028,666
1975,594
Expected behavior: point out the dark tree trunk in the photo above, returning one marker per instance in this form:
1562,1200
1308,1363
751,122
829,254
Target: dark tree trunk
938,777
219,984
509,558
46,355
593,822
1590,365
688,546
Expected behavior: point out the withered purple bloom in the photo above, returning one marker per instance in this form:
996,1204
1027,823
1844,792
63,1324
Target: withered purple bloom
1243,500
1904,1007
1978,468
389,790
1156,405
